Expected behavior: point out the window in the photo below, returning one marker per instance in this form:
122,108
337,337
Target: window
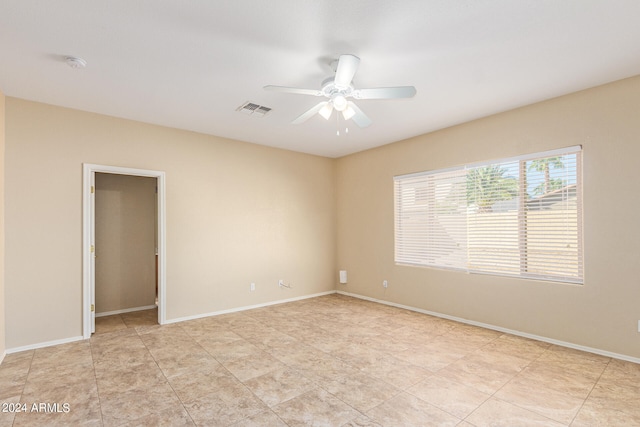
517,217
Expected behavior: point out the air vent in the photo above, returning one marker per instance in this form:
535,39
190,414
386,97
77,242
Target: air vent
250,108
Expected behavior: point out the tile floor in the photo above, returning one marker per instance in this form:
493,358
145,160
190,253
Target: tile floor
327,361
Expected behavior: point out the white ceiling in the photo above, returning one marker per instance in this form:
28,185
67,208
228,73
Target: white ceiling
190,64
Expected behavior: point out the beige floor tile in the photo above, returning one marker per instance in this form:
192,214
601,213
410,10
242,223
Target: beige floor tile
207,328
325,367
622,373
64,373
11,406
556,405
179,363
595,413
227,351
136,376
71,353
356,332
332,361
16,360
523,348
473,336
279,386
482,372
175,416
326,342
396,372
383,342
158,338
315,408
106,339
359,354
245,368
140,318
69,389
13,374
407,410
419,325
296,353
225,406
263,419
432,358
54,419
620,396
237,320
120,407
461,341
192,385
109,324
507,362
362,421
575,360
572,383
386,324
454,398
360,391
274,340
254,331
80,396
179,347
497,413
120,357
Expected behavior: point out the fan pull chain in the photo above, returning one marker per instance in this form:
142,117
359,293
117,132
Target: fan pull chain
346,129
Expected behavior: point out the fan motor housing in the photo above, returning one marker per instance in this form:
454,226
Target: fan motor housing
329,89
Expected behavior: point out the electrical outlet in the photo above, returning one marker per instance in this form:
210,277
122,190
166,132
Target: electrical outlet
252,287
385,284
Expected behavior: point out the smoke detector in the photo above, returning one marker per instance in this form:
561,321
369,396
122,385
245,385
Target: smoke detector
75,62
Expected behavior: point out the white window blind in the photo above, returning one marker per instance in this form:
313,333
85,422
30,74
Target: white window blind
516,217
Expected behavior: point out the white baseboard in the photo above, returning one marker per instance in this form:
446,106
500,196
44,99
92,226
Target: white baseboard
44,344
247,307
500,329
126,310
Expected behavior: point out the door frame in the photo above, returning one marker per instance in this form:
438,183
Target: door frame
88,239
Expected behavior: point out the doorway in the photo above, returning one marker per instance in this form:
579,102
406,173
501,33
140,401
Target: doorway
125,245
110,300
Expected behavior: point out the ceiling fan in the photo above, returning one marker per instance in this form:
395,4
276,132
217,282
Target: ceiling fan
339,88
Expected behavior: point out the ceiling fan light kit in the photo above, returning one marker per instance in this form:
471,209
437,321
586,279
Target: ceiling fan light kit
326,110
339,88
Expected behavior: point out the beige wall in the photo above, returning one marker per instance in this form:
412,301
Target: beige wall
603,313
239,213
125,229
236,213
2,185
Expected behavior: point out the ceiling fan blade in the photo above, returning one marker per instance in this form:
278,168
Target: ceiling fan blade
347,67
314,92
385,92
359,118
309,113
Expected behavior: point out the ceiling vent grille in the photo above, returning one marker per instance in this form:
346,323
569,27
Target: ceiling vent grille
252,109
